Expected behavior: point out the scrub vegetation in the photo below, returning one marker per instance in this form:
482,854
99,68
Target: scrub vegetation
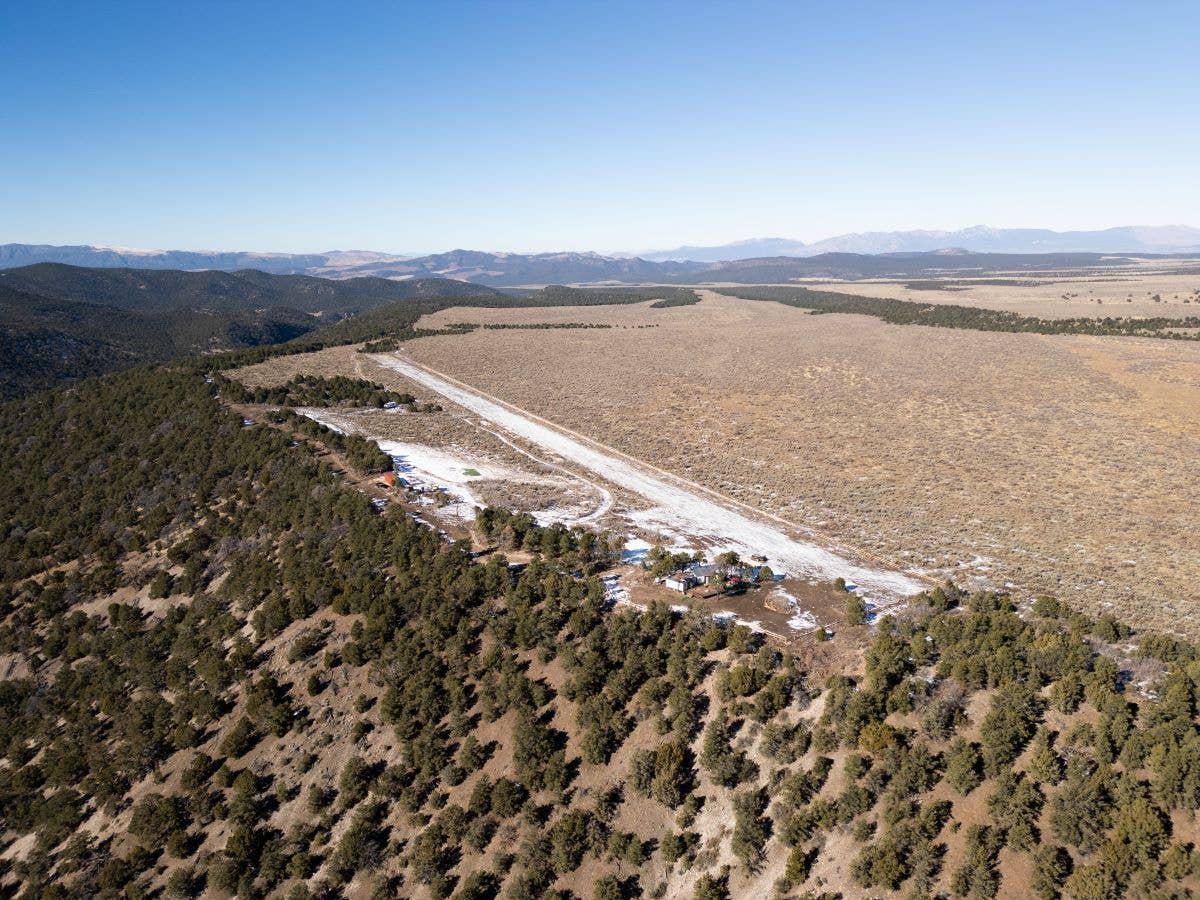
1056,463
224,671
978,318
227,673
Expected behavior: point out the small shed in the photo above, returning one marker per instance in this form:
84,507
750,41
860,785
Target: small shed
681,581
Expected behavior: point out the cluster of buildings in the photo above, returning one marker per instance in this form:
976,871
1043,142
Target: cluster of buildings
696,574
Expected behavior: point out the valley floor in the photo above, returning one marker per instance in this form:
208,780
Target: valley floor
1042,464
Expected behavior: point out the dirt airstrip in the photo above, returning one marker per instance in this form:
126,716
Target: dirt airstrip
1066,465
1056,464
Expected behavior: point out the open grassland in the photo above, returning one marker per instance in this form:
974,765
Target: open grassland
1059,464
648,501
1122,292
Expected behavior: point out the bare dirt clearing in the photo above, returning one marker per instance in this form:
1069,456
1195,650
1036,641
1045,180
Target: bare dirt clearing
1059,464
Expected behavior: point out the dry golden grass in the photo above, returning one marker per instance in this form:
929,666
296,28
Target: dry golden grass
1116,293
1059,464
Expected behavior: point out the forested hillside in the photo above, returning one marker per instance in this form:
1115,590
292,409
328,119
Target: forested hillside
60,322
46,340
225,672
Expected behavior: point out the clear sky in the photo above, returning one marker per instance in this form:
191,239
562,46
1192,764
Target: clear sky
608,126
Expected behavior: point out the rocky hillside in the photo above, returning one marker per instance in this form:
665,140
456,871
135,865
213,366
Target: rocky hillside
224,672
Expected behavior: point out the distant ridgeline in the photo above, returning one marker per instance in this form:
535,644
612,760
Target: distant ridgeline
319,683
386,326
947,315
60,322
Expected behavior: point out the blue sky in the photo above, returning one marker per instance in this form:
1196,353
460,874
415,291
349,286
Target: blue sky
609,126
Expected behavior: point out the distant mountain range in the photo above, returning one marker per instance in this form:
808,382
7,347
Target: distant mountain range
847,256
980,239
510,269
474,265
12,255
464,265
852,266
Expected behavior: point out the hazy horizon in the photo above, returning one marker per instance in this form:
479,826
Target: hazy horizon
620,252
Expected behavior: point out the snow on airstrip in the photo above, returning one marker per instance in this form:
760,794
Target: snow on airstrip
678,507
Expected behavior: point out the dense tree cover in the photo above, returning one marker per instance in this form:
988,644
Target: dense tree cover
60,322
47,339
362,453
291,543
317,390
558,295
678,297
523,719
946,315
582,548
527,326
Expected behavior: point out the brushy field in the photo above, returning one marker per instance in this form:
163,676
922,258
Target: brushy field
1118,292
1064,465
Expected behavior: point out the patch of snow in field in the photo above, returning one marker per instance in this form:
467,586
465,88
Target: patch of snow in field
617,594
728,617
635,551
321,416
438,468
981,563
787,597
426,467
803,621
686,509
560,515
660,522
